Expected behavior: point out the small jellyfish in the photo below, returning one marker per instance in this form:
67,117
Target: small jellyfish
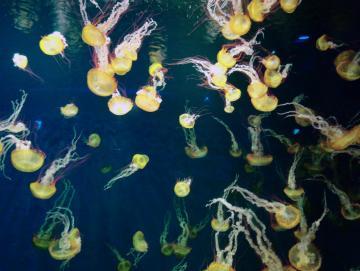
257,157
181,248
192,149
187,120
69,111
45,235
53,44
291,147
271,62
119,105
139,161
349,70
234,150
167,249
273,78
266,103
182,187
45,186
139,247
11,124
292,190
123,264
324,43
289,6
93,140
69,244
317,156
196,229
259,9
21,62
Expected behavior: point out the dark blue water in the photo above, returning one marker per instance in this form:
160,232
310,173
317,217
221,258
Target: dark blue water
141,201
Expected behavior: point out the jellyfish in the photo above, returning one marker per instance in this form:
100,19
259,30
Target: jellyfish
95,33
317,155
287,216
21,62
123,264
259,9
196,229
349,210
181,248
344,56
265,103
11,124
182,187
257,157
215,74
167,249
93,140
230,54
291,147
45,186
230,16
44,236
289,6
292,190
349,70
337,137
157,75
234,151
127,51
119,105
53,44
101,81
192,150
148,99
69,244
273,78
231,94
187,120
181,266
324,43
139,161
69,111
271,62
139,247
304,255
256,120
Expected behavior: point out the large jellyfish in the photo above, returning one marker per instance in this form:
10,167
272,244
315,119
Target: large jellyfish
21,62
127,51
182,187
45,186
148,99
12,124
181,248
123,264
139,161
291,147
234,150
53,44
292,190
230,16
257,157
69,244
287,216
139,247
350,69
119,105
44,236
304,256
324,43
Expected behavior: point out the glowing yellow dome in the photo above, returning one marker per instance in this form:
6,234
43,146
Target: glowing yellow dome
187,121
219,77
196,153
147,99
131,54
232,93
229,109
53,44
181,251
349,70
308,260
40,191
344,56
182,188
348,138
92,36
154,68
121,65
42,240
20,61
227,33
257,89
294,194
259,160
272,78
93,140
255,9
27,160
65,254
288,218
139,243
140,160
100,82
289,6
220,226
240,24
225,58
271,62
218,266
124,265
120,105
266,103
69,110
322,43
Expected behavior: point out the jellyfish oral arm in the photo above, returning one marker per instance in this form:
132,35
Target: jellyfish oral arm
249,71
127,171
215,11
118,9
291,178
256,146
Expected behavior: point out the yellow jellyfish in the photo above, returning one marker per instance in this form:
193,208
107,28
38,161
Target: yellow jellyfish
271,62
187,120
6,143
317,155
286,216
21,62
148,99
24,158
123,264
69,111
291,190
324,43
45,235
273,78
121,65
53,44
181,248
259,9
231,93
139,161
139,247
289,6
93,140
11,124
344,56
291,147
100,82
266,103
166,247
182,187
192,149
69,244
257,157
45,186
119,105
304,255
196,229
240,24
350,70
234,150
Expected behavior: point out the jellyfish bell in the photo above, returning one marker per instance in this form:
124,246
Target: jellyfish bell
181,251
225,58
140,160
120,105
240,24
218,266
305,260
266,103
257,89
256,160
42,240
53,44
60,253
344,56
294,194
92,36
182,188
352,213
196,153
100,82
227,33
255,9
271,62
93,140
69,110
289,6
349,70
322,43
124,265
20,61
41,191
147,99
272,78
229,109
218,75
121,65
154,68
232,93
348,137
26,159
187,120
235,153
139,243
220,226
167,249
288,218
